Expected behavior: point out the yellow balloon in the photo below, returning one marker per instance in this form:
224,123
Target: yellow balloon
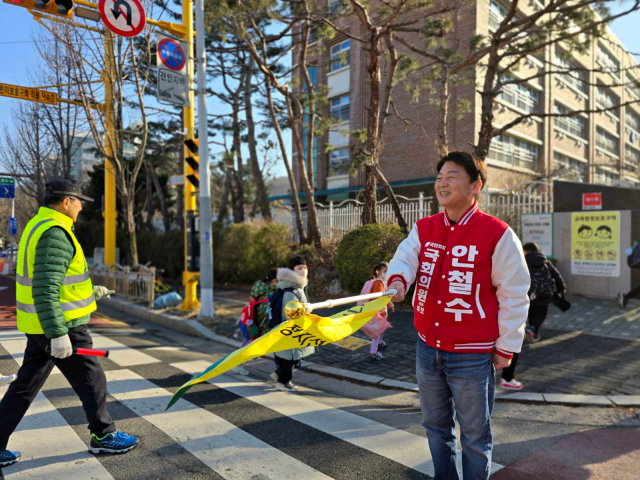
294,309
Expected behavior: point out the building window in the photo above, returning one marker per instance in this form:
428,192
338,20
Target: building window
574,125
575,76
606,100
632,157
633,86
520,95
340,108
606,141
568,168
313,36
497,13
605,177
339,162
340,55
608,62
632,121
514,151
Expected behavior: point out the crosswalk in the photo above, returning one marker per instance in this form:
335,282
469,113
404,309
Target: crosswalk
232,427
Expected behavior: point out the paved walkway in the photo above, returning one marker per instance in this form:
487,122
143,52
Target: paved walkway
593,349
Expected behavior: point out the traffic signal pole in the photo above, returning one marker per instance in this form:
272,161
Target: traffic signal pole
109,212
189,279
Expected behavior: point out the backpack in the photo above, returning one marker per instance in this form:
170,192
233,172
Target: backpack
633,260
366,288
274,306
542,283
249,328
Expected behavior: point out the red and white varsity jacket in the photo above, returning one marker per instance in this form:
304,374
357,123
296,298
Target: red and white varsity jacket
471,283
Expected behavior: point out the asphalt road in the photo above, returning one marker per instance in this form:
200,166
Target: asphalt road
239,427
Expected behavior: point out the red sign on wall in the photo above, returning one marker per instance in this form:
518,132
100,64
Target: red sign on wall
592,201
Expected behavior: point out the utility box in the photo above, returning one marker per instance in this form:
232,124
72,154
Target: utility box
193,242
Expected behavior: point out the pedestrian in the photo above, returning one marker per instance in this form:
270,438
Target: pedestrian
545,280
292,285
54,300
261,290
376,327
6,379
470,308
633,260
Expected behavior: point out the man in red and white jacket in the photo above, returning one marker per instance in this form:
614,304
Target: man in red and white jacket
470,307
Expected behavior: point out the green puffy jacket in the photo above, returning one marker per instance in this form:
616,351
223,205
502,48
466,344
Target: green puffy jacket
54,253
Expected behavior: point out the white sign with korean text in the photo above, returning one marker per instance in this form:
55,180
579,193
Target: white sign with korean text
538,228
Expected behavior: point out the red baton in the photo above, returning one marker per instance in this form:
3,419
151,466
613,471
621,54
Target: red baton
84,351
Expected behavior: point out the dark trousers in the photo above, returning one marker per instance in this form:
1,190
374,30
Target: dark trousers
285,369
536,317
510,372
84,373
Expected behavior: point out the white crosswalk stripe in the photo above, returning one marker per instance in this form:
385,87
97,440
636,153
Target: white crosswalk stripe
218,443
14,342
50,448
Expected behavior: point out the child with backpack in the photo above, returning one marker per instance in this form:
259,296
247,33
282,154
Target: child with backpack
292,286
633,260
545,281
376,327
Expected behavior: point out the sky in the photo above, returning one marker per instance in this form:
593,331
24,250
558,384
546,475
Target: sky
17,53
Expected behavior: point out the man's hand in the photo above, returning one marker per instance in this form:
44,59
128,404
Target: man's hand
61,347
99,291
500,362
399,288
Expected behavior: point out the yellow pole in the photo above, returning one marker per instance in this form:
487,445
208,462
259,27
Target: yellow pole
109,168
189,279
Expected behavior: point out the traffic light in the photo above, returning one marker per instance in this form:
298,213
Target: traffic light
192,161
60,8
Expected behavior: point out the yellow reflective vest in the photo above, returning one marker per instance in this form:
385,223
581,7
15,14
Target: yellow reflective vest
76,292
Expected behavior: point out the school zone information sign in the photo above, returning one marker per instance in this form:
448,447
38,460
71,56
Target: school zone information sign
595,244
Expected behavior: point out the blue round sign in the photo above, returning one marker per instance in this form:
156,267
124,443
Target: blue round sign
171,54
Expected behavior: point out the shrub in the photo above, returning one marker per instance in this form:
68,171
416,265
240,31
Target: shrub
361,249
246,251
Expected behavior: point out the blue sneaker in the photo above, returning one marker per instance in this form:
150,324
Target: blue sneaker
7,457
114,442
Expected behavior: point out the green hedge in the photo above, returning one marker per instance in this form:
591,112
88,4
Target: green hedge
245,252
361,249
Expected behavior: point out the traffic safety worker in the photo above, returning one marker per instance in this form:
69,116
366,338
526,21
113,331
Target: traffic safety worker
54,300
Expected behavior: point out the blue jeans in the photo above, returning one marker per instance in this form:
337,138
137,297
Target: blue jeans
458,385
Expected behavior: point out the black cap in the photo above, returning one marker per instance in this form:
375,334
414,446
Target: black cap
60,186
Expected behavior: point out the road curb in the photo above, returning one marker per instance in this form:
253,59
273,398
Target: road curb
195,328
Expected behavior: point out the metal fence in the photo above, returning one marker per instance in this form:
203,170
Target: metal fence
337,219
136,285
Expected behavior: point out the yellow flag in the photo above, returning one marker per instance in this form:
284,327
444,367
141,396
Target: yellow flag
307,331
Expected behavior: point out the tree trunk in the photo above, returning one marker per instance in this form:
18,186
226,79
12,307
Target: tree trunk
228,181
392,198
372,143
285,158
442,140
150,209
313,228
238,203
486,111
161,197
261,189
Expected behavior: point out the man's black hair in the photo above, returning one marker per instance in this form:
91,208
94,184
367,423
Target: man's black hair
584,227
475,167
53,199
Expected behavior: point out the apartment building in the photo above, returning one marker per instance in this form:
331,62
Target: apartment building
601,148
